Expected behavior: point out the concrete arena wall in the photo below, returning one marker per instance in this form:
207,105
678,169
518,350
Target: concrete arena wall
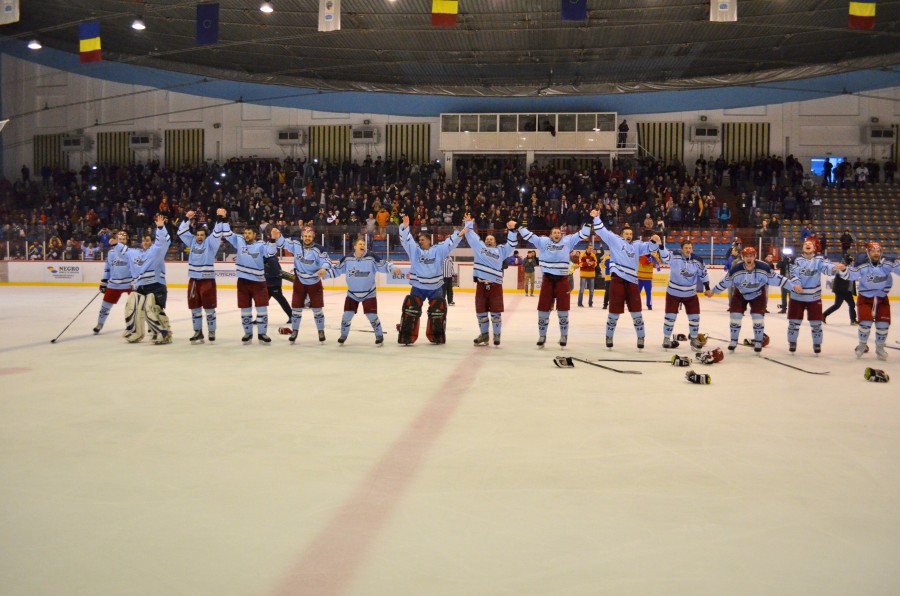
38,273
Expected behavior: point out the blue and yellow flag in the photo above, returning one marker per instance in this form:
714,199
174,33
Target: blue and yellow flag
89,46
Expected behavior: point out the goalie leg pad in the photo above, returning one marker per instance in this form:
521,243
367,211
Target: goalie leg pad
134,317
157,321
437,321
408,329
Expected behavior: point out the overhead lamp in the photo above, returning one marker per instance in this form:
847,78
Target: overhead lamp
34,45
266,7
138,24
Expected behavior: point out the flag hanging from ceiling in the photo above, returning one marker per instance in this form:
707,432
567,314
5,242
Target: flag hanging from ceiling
862,14
89,45
207,24
722,11
443,13
9,11
329,15
574,10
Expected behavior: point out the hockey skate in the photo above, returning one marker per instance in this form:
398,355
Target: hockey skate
609,342
481,340
212,336
496,339
563,340
860,350
640,343
264,339
792,347
670,343
342,339
880,352
541,341
817,348
293,336
732,345
247,338
197,338
379,340
98,328
321,336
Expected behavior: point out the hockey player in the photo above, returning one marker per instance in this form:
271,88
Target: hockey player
148,302
360,269
806,271
623,286
427,282
311,265
686,273
873,276
555,250
116,278
251,280
488,273
201,294
750,278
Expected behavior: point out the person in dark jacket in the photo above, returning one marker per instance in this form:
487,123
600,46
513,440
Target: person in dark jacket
274,278
844,291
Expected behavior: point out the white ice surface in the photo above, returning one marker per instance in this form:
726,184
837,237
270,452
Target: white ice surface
317,469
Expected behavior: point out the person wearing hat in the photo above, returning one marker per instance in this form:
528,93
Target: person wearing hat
873,274
750,278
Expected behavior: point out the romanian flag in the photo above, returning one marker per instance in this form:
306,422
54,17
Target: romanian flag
89,34
443,13
862,14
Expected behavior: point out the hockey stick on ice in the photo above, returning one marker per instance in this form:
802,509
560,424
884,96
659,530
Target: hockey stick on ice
569,362
810,372
53,341
639,361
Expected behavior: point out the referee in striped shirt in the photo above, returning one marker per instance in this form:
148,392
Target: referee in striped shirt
447,272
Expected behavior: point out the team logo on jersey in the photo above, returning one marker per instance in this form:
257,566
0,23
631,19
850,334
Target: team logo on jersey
252,255
427,260
873,278
199,249
750,284
629,251
357,273
139,261
118,263
806,272
490,253
556,247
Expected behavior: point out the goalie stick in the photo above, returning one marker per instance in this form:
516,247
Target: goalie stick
569,362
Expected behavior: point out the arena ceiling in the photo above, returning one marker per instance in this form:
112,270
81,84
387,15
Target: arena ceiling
498,48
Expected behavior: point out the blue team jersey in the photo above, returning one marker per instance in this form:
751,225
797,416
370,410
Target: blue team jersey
149,266
360,272
250,261
488,265
874,280
202,259
308,260
808,274
555,255
686,274
425,270
623,255
117,270
750,283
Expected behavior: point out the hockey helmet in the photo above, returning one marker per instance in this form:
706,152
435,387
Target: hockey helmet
749,252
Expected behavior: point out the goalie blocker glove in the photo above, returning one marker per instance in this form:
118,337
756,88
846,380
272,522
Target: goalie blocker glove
697,378
875,375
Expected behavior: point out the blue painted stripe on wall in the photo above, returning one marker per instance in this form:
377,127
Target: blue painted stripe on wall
399,104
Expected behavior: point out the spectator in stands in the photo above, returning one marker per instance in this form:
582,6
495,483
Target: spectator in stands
826,173
846,241
623,134
890,166
723,215
862,174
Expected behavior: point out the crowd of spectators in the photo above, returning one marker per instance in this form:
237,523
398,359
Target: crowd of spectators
72,214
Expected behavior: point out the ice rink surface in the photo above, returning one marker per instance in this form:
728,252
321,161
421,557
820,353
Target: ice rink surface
225,469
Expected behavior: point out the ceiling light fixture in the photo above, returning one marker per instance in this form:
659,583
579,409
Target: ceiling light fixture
266,7
138,24
34,45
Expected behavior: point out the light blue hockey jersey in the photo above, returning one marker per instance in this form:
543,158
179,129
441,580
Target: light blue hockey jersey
307,260
250,261
117,271
750,283
488,265
808,274
624,255
685,274
873,280
149,266
360,274
555,255
425,265
202,259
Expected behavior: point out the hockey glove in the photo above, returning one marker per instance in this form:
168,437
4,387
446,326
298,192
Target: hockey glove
103,284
